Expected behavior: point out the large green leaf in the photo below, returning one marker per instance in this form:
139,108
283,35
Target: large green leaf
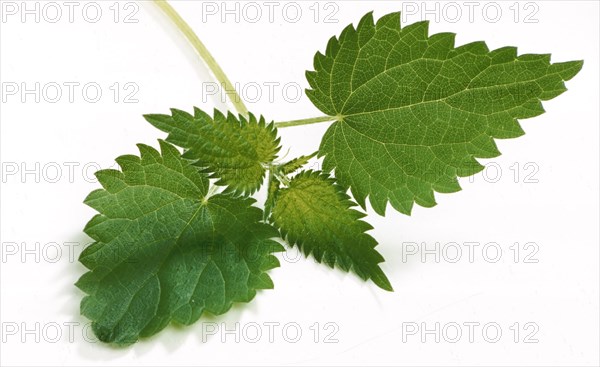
164,251
414,111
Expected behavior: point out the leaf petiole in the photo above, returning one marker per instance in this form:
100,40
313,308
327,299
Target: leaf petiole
313,120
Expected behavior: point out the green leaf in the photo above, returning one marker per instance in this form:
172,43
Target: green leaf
296,163
272,192
234,150
315,214
165,252
277,172
414,111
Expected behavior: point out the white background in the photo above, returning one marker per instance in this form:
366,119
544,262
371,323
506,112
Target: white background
557,295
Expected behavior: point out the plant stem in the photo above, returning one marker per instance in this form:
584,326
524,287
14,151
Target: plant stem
313,120
205,55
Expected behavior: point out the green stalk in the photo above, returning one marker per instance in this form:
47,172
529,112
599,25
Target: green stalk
205,55
313,120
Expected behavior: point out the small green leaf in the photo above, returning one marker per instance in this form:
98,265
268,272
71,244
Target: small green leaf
272,192
164,251
234,150
314,213
296,163
414,111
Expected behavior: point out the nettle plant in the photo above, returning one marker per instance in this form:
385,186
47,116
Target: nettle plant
179,234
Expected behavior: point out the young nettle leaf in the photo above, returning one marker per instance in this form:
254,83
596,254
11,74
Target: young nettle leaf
272,191
413,111
296,163
164,251
315,214
233,149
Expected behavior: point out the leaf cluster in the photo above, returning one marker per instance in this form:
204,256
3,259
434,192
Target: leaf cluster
178,234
